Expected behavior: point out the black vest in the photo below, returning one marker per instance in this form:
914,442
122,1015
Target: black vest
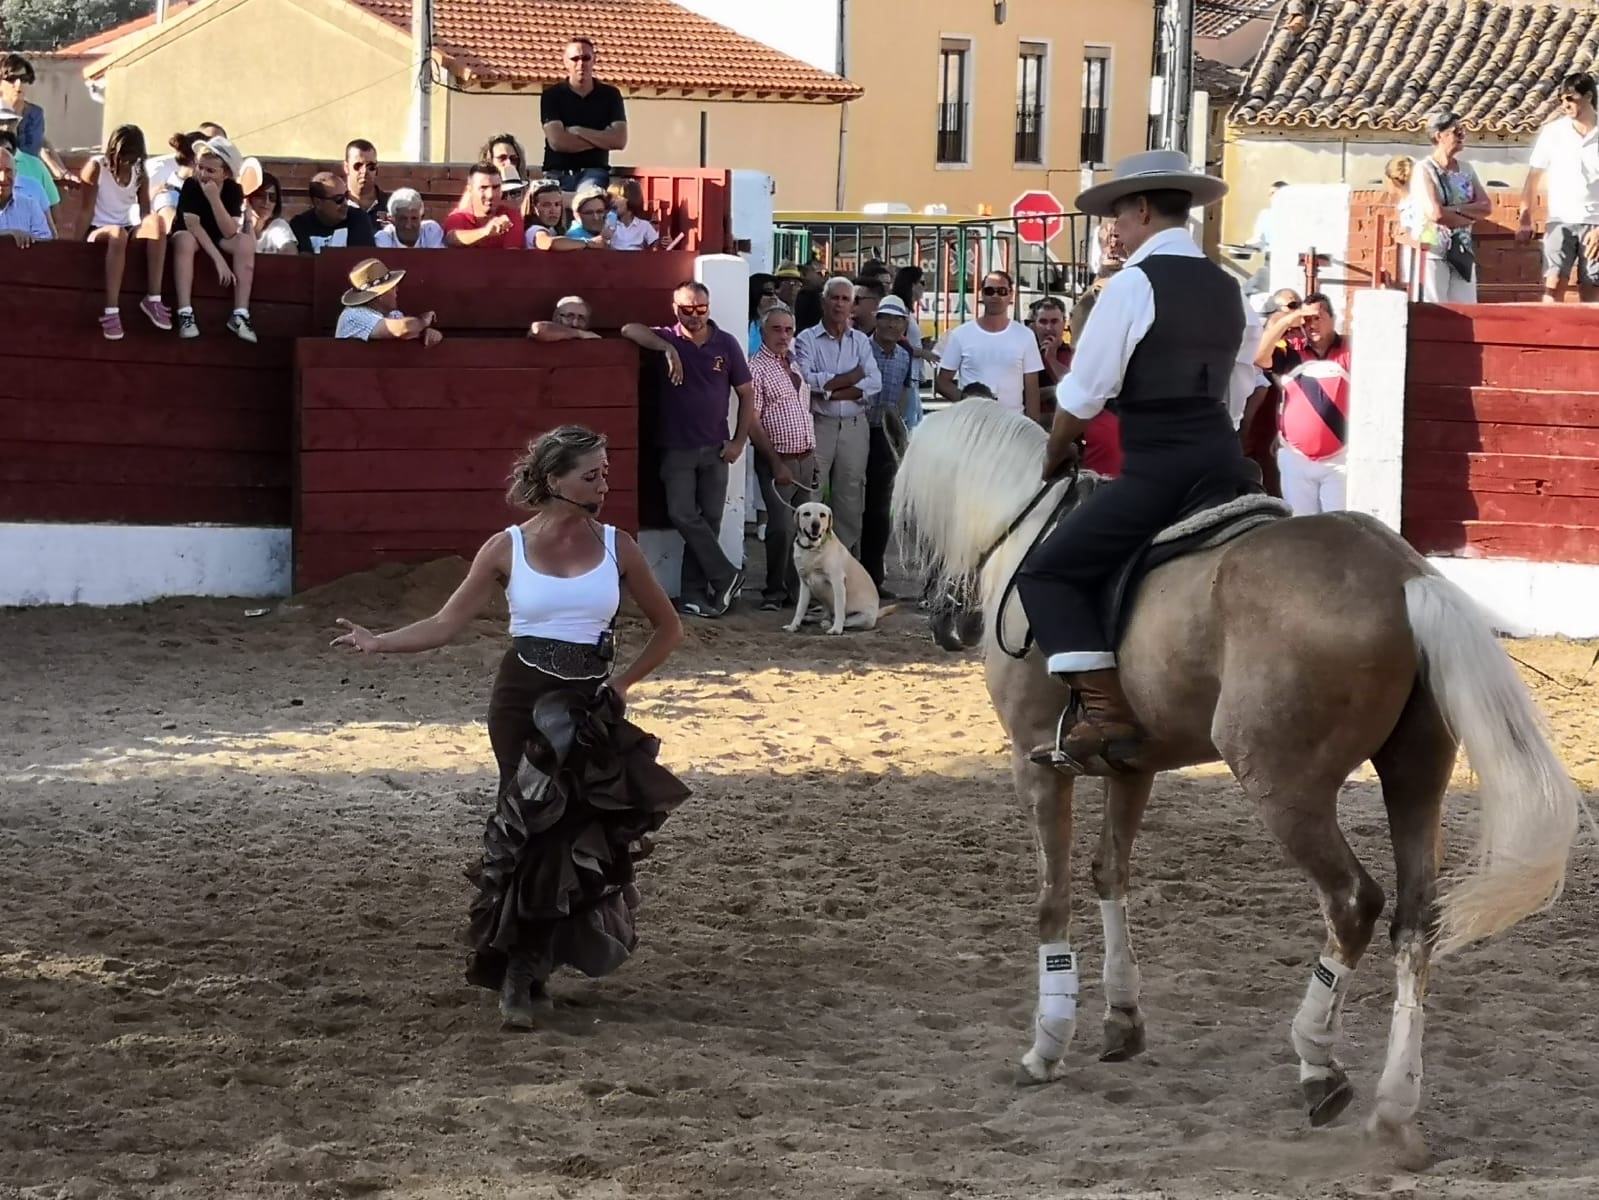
1174,390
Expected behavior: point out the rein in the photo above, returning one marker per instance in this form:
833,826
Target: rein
1044,530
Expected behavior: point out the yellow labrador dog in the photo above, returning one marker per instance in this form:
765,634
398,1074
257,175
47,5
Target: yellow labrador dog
827,569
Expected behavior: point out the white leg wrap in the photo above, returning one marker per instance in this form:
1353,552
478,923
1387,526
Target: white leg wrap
1057,1000
1318,1022
1399,1090
1122,981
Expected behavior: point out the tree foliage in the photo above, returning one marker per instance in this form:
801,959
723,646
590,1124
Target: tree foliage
49,24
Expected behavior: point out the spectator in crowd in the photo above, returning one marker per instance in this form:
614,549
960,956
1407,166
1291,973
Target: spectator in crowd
885,418
876,271
590,206
371,310
1566,157
995,350
1110,255
764,302
808,303
869,294
910,286
584,121
703,364
26,185
1280,342
786,439
16,76
167,175
211,221
1049,328
1447,200
331,221
22,217
119,206
408,227
361,179
789,281
272,232
836,361
763,295
505,151
548,231
212,130
569,322
1315,411
630,228
1396,178
484,220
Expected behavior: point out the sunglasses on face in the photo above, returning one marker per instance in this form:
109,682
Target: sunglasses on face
16,79
996,291
693,310
1292,305
341,198
579,58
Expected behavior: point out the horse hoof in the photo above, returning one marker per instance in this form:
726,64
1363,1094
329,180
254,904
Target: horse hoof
1403,1139
1037,1069
1124,1036
517,1016
1327,1098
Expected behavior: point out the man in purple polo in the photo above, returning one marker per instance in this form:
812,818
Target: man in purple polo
703,363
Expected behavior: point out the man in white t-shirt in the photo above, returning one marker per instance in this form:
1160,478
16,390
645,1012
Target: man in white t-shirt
1567,151
993,350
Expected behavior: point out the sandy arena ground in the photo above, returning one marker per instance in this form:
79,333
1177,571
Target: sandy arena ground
230,891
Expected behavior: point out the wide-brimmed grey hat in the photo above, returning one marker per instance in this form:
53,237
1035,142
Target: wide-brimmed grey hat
1151,171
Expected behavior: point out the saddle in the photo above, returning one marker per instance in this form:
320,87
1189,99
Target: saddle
1217,509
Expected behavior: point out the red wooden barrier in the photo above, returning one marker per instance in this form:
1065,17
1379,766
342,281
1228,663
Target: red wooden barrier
404,452
501,291
1502,432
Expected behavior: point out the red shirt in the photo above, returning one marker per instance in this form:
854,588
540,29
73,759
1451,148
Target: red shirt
1315,406
462,220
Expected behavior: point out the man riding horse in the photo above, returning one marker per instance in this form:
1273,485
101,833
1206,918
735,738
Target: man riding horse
1170,350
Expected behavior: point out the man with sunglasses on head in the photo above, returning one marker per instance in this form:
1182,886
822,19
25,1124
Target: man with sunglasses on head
584,120
589,206
703,362
994,350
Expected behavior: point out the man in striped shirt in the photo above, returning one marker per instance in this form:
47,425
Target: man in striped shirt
786,438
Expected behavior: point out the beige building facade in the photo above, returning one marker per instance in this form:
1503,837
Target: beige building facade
349,76
968,105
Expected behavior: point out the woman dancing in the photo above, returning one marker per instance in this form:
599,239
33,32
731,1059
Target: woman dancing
580,790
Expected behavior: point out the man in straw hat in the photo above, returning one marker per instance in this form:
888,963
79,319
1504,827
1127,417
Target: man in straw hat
370,313
1170,349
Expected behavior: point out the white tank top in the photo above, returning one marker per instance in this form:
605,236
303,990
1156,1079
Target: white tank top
578,609
116,203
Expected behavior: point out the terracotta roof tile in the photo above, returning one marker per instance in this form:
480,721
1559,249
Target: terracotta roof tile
1387,64
642,44
1218,79
1218,18
101,43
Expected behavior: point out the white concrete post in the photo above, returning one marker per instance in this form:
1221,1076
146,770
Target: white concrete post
728,277
1375,447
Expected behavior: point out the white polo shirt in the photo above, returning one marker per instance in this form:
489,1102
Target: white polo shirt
1571,163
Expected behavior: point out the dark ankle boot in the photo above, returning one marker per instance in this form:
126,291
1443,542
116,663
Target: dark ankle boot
520,993
1108,732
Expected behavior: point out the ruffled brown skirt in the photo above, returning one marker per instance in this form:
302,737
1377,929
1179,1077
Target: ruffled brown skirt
579,787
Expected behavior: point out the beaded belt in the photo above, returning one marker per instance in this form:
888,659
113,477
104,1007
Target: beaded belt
564,660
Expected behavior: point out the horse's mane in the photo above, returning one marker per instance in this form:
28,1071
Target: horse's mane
967,473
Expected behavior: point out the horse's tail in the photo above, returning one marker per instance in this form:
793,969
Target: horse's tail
1529,803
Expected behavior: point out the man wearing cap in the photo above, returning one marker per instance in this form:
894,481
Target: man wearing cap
371,309
1171,347
789,281
885,416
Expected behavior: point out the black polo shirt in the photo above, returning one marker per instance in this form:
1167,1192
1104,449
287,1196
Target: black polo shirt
600,109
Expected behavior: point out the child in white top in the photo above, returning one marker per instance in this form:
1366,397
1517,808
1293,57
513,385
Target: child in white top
629,228
119,185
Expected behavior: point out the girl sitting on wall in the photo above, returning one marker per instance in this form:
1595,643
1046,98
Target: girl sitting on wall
119,185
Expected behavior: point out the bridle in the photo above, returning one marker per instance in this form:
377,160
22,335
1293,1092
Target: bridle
1067,498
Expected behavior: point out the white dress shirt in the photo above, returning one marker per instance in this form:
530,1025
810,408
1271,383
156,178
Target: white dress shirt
1123,314
820,357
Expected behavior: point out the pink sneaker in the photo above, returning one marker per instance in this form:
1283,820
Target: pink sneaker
111,326
160,315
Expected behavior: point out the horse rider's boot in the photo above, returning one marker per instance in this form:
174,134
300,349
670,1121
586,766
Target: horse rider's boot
1107,738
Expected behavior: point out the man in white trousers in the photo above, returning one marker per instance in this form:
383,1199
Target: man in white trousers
1311,425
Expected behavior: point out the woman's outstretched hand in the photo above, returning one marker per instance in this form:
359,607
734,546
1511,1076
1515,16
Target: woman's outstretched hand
357,636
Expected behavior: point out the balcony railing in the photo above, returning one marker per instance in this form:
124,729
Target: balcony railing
1029,135
952,126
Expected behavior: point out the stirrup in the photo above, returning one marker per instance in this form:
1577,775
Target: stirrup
1056,756
1118,756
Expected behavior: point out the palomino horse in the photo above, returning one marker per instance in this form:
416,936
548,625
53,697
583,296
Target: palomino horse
1293,653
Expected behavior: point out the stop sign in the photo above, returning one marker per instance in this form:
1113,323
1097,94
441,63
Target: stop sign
1038,217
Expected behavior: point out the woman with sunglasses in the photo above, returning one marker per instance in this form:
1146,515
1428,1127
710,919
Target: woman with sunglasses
36,159
506,153
272,232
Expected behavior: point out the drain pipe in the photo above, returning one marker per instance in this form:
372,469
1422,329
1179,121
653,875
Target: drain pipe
843,109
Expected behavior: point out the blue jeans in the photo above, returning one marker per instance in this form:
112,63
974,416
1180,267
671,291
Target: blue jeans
572,180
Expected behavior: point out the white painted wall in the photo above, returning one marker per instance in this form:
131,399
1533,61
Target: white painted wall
805,29
1306,217
133,564
753,193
